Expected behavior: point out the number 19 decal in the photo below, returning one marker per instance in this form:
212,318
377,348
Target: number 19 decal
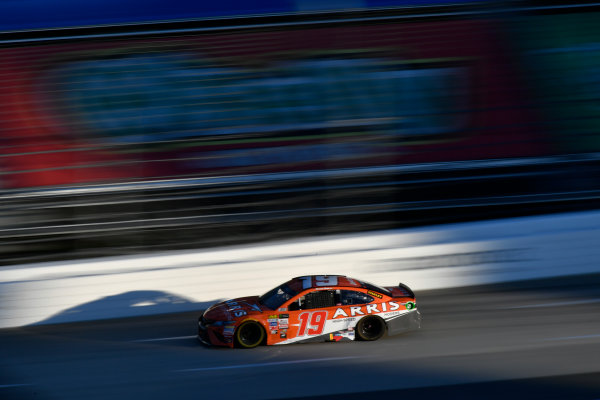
320,281
314,321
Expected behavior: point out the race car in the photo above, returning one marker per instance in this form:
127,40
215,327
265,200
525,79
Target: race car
316,308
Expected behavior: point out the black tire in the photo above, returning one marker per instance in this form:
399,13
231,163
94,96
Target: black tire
249,334
370,328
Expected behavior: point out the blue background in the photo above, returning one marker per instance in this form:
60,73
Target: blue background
41,14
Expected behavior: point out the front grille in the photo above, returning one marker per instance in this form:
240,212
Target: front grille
206,321
202,332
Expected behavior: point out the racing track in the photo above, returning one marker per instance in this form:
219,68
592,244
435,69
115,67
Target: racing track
529,340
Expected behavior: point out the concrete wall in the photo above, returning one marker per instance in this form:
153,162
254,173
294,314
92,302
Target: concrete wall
424,258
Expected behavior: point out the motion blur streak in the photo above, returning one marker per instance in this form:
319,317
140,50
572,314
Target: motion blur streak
268,364
240,130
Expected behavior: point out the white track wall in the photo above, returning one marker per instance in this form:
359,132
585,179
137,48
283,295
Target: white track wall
424,258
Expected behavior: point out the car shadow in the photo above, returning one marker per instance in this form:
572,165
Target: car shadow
130,304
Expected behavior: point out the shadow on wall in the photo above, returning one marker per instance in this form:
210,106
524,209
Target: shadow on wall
130,304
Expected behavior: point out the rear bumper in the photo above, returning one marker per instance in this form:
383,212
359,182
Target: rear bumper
404,323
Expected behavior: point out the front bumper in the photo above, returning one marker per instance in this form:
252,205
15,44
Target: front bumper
404,323
212,336
203,333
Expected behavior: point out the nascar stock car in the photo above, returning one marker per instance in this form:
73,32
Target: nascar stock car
311,309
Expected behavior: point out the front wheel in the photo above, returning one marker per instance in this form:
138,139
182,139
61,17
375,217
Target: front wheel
250,334
370,328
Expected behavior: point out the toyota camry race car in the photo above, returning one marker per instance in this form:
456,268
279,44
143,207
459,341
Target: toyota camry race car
311,309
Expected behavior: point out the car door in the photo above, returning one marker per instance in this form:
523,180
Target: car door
307,316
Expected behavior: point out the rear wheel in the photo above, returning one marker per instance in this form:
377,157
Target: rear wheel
250,334
370,328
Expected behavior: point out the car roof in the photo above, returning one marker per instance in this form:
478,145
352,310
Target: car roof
320,281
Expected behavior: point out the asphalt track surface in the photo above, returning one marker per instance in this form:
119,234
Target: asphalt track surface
531,340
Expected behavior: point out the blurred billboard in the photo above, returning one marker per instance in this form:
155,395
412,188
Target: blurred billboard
560,56
280,100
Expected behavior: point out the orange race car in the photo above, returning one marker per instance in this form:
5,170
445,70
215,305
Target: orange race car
311,309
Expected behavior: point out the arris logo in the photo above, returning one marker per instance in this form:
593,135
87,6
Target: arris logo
367,309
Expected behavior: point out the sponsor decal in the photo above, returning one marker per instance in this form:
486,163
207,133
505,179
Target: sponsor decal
374,294
410,305
341,336
272,316
339,312
354,310
284,326
282,309
283,321
235,308
367,309
228,331
273,323
391,314
372,308
283,335
254,307
273,332
344,320
282,316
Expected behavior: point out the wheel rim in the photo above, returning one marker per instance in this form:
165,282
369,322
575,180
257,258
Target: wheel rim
250,335
370,328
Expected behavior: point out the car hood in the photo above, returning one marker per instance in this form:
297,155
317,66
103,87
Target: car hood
235,308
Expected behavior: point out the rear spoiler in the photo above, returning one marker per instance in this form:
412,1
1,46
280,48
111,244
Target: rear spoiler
406,289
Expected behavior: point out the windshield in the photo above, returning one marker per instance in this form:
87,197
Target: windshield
274,298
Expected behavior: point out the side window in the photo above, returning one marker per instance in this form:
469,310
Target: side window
351,297
316,299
